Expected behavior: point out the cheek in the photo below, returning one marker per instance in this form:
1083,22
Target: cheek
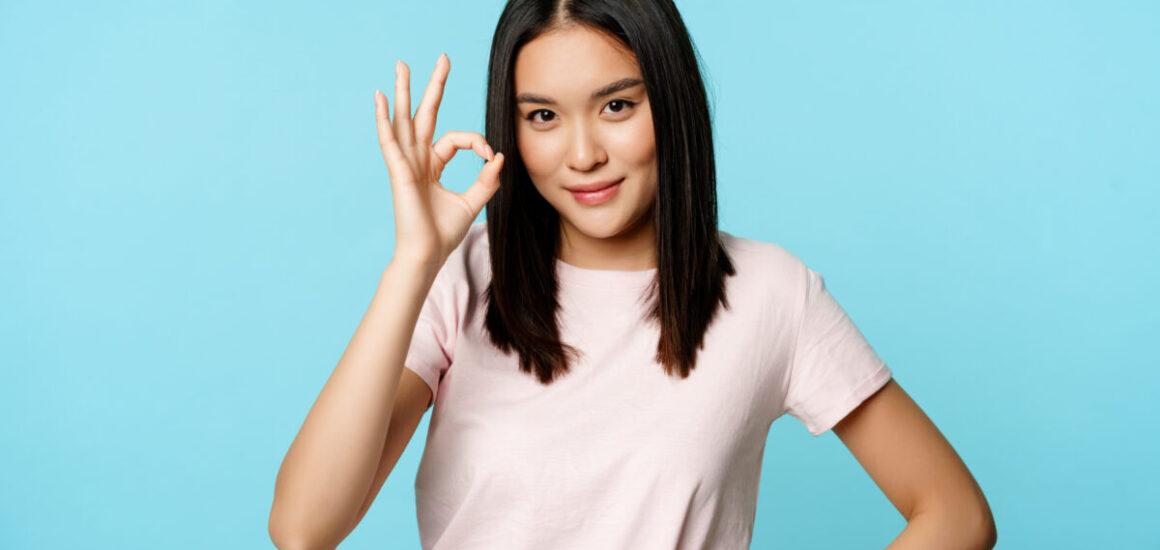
640,154
635,144
539,153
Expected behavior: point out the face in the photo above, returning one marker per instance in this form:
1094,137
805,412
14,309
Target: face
584,120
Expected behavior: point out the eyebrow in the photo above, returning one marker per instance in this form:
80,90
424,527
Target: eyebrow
609,89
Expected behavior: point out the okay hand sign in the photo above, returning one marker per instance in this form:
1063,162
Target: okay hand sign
430,221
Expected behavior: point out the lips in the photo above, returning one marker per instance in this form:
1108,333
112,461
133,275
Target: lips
594,186
599,195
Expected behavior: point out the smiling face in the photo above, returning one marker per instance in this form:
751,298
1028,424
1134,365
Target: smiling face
583,120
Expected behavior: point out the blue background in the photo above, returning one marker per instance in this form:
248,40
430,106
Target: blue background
195,214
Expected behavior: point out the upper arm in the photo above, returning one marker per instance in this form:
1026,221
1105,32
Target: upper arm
908,458
411,402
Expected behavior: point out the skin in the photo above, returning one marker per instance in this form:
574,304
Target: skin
585,139
573,138
919,472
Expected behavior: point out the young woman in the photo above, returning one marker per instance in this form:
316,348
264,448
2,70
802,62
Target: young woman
603,363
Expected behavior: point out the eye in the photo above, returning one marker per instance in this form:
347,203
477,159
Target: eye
532,115
624,103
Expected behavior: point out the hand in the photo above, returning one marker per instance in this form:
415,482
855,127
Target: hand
430,221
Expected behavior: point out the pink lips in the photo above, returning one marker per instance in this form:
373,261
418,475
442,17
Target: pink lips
598,196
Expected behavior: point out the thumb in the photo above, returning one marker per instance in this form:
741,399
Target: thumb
488,183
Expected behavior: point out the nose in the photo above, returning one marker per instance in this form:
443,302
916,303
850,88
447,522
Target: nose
586,152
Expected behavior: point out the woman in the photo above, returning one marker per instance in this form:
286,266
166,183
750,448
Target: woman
603,362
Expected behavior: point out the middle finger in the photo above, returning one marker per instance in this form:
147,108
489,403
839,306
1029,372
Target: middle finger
428,109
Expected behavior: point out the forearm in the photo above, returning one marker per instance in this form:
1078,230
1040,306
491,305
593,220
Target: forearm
946,530
331,463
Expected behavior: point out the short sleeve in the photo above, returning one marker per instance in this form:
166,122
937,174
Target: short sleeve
432,347
834,369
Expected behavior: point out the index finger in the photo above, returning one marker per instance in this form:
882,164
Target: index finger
453,141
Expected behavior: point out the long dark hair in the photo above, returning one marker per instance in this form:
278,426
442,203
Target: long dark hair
523,228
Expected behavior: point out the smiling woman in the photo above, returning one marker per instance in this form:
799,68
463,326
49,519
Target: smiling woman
604,175
603,362
592,155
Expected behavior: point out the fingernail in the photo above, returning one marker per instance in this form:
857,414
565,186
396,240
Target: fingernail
490,153
398,67
443,55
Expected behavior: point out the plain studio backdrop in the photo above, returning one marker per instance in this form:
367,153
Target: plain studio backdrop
195,213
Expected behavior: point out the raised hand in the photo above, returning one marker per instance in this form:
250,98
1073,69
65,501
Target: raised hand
430,221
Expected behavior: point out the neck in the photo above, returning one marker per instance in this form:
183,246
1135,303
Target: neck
632,250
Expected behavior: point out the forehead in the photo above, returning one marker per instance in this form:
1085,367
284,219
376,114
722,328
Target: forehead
572,62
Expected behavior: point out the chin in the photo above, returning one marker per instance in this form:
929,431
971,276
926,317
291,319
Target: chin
597,225
605,223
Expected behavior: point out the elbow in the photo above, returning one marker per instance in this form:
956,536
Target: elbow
988,533
282,539
294,541
286,541
987,524
304,525
961,527
283,543
982,533
293,544
285,537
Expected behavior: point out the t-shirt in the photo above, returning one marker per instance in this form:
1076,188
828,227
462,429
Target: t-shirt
616,453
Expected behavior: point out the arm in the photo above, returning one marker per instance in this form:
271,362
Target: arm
352,435
328,472
412,402
918,470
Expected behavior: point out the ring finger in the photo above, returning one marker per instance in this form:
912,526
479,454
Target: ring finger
403,128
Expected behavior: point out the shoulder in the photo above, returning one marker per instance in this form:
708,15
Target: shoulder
766,264
476,236
468,266
474,247
768,276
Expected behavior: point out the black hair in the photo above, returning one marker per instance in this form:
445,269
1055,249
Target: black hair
524,229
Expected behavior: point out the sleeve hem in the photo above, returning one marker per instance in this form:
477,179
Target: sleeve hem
431,380
825,421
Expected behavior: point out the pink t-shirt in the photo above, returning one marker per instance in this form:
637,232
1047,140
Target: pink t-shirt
617,454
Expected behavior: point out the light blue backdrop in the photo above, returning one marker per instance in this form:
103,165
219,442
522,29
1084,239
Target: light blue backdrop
195,213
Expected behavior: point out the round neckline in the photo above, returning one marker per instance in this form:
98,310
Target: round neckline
569,274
